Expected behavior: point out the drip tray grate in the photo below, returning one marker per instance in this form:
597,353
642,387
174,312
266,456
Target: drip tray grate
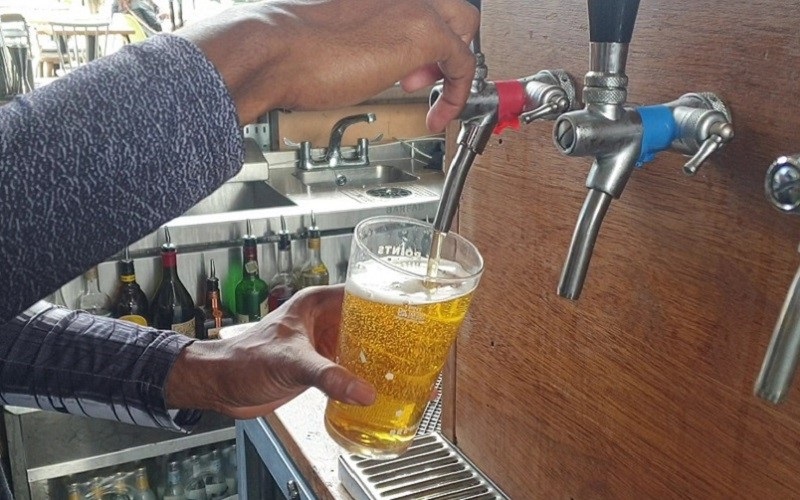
431,469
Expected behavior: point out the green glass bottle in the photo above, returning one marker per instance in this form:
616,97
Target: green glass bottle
252,291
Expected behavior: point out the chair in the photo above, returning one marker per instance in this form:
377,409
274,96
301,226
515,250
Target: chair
16,53
79,42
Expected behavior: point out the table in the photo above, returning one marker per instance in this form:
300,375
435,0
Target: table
118,25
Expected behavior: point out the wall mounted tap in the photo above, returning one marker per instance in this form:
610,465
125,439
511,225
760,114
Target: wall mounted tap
492,107
620,137
333,156
782,186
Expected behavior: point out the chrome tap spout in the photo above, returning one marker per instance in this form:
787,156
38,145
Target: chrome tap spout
780,362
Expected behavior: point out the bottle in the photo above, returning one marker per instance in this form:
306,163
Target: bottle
229,454
73,492
143,491
282,286
313,271
172,307
174,489
130,302
96,492
251,292
121,489
216,486
195,485
93,300
212,315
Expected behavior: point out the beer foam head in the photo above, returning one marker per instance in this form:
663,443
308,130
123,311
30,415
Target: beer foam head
377,282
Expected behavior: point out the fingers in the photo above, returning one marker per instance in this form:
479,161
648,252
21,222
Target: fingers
338,383
457,64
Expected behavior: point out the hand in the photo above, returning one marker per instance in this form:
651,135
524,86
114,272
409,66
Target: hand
323,54
289,350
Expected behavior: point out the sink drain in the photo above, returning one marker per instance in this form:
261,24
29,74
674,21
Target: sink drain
388,192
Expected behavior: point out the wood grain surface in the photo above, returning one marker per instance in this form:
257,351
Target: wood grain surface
643,387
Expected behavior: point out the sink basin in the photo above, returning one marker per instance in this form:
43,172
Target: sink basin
355,176
236,196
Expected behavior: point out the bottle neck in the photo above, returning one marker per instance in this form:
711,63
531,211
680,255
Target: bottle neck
285,261
169,264
314,245
250,261
213,301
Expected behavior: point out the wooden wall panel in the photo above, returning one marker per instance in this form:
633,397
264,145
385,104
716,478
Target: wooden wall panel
643,387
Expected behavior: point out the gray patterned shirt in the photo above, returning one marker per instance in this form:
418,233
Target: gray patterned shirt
88,164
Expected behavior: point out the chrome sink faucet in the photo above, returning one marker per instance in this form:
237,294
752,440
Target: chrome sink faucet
782,186
491,107
620,137
333,156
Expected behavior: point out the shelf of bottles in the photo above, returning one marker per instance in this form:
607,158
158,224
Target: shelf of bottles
198,292
201,473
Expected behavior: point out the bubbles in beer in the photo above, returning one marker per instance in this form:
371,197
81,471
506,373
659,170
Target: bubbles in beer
404,329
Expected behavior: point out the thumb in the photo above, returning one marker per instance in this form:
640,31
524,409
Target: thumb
340,384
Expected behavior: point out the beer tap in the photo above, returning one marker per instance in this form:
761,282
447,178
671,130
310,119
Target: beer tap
620,137
782,186
491,107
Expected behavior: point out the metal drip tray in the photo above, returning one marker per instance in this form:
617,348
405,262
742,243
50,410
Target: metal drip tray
431,469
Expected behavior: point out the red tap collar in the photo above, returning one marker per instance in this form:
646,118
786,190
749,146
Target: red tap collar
511,103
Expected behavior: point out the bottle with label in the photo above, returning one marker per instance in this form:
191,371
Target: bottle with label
212,315
314,272
174,489
251,292
216,486
93,300
142,490
282,286
172,307
130,302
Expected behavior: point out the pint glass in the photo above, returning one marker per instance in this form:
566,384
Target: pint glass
397,327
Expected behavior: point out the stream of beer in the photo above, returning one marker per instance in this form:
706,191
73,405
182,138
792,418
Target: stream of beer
433,257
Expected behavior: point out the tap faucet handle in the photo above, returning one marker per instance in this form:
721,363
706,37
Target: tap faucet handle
550,92
611,21
704,125
719,134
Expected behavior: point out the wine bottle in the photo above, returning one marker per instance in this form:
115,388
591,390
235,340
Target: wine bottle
130,302
212,315
282,286
172,307
313,272
251,292
93,300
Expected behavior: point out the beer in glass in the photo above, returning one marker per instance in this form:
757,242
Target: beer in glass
398,324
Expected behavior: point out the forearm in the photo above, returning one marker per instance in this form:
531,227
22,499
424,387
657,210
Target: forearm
73,362
103,156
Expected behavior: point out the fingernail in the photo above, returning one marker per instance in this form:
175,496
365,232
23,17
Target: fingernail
359,393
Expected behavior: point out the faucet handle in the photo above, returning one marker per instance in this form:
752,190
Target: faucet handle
550,92
720,133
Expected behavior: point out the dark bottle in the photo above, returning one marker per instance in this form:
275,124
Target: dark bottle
314,272
172,307
251,292
130,302
212,315
282,286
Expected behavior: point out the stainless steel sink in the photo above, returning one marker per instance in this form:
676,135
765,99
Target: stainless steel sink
358,176
236,196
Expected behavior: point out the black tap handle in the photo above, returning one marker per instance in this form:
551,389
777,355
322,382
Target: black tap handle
475,3
612,20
